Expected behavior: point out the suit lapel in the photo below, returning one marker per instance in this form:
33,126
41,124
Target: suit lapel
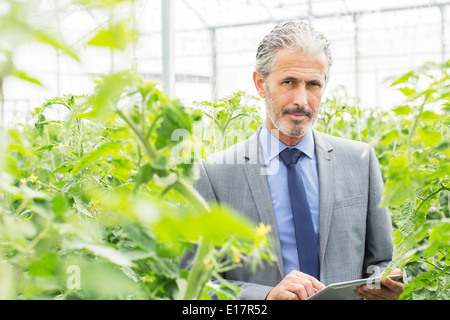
257,181
325,162
255,174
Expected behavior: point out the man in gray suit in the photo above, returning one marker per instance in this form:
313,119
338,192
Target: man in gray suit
341,177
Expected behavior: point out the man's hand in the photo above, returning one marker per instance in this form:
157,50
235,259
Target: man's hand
295,286
389,289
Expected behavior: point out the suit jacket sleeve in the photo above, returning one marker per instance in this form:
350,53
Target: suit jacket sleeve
379,226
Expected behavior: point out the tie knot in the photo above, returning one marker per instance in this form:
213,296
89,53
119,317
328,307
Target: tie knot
290,155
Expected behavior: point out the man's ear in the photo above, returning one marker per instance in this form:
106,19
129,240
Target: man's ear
259,81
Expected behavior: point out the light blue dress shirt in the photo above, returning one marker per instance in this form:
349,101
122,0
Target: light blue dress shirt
277,178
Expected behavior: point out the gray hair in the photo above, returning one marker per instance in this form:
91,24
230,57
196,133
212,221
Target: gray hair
292,35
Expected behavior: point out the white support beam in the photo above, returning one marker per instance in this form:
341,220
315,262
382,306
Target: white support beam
443,32
168,46
356,44
213,65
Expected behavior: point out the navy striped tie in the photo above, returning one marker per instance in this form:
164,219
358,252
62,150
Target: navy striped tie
307,248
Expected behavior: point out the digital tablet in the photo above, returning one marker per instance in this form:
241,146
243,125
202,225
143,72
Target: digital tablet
344,290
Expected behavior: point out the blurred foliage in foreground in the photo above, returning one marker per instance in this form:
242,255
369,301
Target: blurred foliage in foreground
102,208
100,204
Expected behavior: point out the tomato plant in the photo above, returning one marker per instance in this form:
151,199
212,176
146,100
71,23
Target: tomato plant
102,191
418,181
99,204
411,142
228,121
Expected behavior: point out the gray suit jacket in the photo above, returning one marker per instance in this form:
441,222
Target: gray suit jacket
355,234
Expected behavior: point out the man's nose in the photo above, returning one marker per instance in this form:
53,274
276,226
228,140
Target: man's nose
301,96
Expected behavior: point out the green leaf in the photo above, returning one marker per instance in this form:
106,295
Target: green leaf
407,91
140,236
55,43
160,165
176,125
109,148
402,110
405,78
164,267
224,291
389,137
118,36
430,116
46,147
122,168
429,137
217,226
439,235
44,266
24,76
40,124
444,146
114,256
401,183
60,204
17,30
144,175
101,280
66,167
397,191
80,205
109,91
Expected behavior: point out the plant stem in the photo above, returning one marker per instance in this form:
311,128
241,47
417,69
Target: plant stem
151,152
142,117
191,195
430,196
415,123
80,130
50,152
198,274
431,264
152,126
2,105
180,185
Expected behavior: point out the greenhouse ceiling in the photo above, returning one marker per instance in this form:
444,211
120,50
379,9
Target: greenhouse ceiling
235,13
204,49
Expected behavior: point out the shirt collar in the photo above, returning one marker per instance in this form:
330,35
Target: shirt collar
271,146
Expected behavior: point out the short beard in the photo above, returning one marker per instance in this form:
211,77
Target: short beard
297,131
